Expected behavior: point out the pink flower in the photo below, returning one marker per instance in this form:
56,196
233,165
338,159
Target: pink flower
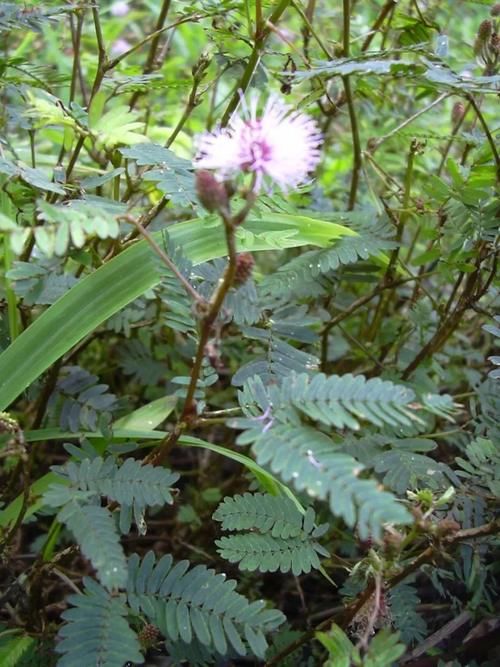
120,8
119,47
280,145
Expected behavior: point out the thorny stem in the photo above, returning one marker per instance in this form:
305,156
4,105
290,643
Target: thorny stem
193,101
307,17
76,34
208,319
210,312
454,133
377,595
356,144
101,71
258,16
346,615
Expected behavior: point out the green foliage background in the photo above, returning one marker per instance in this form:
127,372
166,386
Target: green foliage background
335,452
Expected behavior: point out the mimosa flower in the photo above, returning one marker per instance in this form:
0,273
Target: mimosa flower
278,146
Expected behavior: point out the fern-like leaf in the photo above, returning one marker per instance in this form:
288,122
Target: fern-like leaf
403,604
482,465
200,604
339,401
281,359
281,539
269,554
342,401
305,275
96,631
132,483
95,531
311,461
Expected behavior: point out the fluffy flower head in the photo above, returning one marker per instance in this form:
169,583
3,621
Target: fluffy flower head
279,146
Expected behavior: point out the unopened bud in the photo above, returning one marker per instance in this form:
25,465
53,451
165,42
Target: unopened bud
149,636
495,10
457,113
7,424
201,65
211,193
244,267
484,31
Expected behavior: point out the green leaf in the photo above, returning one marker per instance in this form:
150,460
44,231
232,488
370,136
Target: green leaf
187,603
147,417
96,631
95,532
279,537
104,292
268,482
13,650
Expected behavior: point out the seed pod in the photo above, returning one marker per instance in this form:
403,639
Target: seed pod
495,10
211,193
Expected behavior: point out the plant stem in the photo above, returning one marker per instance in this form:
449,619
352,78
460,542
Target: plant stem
356,144
486,129
150,60
356,305
386,9
9,293
209,313
472,291
253,61
389,273
12,314
76,34
165,259
345,616
198,73
454,133
375,145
